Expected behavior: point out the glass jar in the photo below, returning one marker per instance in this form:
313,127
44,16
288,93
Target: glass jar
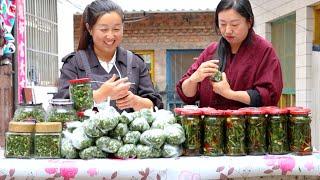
47,140
300,131
191,124
256,131
30,113
19,140
177,113
214,132
277,131
81,94
61,110
235,132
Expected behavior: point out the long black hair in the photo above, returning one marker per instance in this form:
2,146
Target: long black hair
91,14
243,7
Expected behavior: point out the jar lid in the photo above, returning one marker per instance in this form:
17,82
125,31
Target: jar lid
273,111
298,111
30,105
196,112
212,112
79,81
292,108
247,109
49,127
61,102
178,110
256,111
234,112
21,126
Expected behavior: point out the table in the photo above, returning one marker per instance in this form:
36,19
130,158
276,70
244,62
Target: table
202,167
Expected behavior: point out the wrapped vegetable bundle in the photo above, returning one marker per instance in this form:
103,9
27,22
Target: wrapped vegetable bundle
126,151
92,152
169,151
108,145
80,140
153,138
174,134
132,137
139,124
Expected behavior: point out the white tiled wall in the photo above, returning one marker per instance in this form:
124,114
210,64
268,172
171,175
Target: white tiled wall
307,61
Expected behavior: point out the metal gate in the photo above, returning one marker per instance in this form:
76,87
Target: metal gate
6,100
178,61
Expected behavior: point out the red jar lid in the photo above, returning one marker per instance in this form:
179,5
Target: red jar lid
277,111
196,112
178,110
212,112
247,109
289,109
234,112
79,81
300,111
256,111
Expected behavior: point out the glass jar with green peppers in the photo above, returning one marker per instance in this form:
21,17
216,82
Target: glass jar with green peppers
300,131
30,113
47,140
19,140
177,114
256,131
81,93
277,131
214,129
235,133
61,110
191,123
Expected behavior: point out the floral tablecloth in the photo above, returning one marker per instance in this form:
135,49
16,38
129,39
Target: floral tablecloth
172,168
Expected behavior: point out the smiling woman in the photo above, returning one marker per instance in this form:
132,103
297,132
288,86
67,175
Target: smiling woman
100,58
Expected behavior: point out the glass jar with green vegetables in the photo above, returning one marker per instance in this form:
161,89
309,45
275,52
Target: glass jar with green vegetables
19,140
300,131
191,123
277,131
235,133
61,110
214,129
81,93
30,113
47,140
256,131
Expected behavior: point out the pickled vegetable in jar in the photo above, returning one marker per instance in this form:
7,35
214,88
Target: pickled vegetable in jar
256,131
19,140
81,93
61,110
191,123
214,132
300,131
30,113
235,132
177,113
47,140
277,131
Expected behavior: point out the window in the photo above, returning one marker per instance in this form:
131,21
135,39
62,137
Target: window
42,42
283,37
148,56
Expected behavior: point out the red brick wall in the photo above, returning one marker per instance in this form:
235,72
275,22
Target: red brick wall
162,31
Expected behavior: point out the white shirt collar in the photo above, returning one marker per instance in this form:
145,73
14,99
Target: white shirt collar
109,65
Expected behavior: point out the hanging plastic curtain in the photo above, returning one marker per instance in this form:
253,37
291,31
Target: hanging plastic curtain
7,19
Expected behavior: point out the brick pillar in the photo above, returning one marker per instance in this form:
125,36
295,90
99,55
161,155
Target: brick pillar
6,100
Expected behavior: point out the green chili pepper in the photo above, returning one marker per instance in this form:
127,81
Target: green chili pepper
257,135
47,145
217,77
235,136
213,136
192,144
18,145
277,135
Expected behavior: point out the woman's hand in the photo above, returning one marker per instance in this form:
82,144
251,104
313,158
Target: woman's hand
115,89
222,87
128,101
206,69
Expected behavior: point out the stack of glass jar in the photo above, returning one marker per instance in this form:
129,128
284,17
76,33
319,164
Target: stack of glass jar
29,139
61,110
30,113
253,131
